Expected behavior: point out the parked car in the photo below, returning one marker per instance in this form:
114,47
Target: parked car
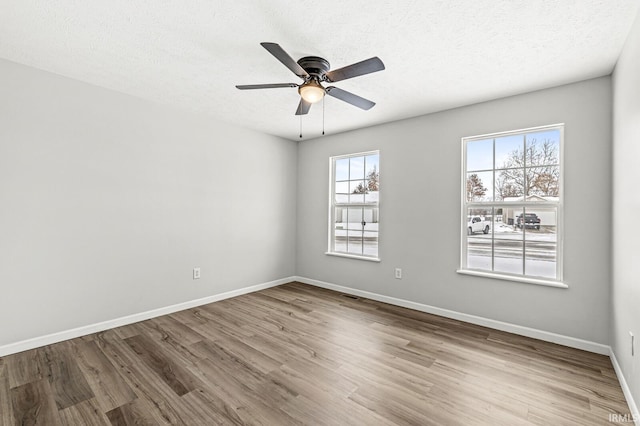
530,220
478,224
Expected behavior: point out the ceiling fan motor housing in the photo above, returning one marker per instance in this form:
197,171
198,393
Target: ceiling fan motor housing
315,66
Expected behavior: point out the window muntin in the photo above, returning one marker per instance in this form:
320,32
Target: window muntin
354,211
513,182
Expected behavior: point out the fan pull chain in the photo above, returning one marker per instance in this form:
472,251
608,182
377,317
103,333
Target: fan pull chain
300,126
323,116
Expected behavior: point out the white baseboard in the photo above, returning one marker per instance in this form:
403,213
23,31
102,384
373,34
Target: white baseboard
48,339
485,322
633,408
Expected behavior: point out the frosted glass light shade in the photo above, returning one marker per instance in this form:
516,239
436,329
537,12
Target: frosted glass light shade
311,92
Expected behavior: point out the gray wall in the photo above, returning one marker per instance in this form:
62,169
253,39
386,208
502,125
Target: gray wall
626,206
107,202
420,211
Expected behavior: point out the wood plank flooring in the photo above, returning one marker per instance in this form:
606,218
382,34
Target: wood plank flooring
297,354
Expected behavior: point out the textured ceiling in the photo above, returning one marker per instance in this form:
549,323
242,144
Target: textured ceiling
438,54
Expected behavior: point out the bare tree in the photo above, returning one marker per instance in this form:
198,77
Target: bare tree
475,188
373,179
546,184
360,189
505,188
532,171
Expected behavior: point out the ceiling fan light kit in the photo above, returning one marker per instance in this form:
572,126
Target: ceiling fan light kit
314,70
311,92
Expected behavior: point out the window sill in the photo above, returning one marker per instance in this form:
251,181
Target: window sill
353,256
536,281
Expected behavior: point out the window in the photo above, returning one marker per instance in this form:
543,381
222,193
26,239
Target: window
354,206
512,205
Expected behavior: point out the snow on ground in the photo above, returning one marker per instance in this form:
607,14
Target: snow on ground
509,232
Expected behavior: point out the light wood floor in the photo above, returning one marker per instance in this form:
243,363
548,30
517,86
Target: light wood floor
296,354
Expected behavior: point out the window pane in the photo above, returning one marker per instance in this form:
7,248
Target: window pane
354,243
527,220
342,192
357,187
480,155
371,219
543,148
342,169
478,218
541,224
479,253
508,256
503,224
509,185
509,152
340,229
372,165
340,219
342,187
540,259
370,243
543,182
341,241
356,170
357,190
355,218
479,186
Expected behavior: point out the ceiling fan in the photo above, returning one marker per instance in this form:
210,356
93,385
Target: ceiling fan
314,71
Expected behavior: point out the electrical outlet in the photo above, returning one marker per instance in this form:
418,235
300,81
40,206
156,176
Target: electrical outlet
196,273
632,343
398,273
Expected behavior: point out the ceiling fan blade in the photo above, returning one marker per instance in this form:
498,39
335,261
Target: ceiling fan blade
361,68
282,56
303,107
350,98
265,86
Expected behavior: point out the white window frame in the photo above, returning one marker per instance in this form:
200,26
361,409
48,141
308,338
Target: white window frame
466,205
333,204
